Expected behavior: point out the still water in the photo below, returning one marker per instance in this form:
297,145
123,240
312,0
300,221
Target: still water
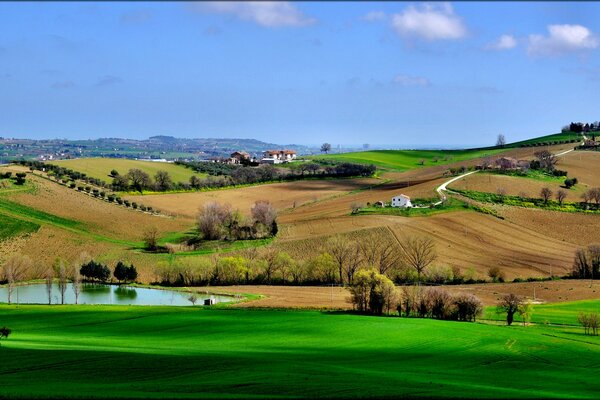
106,294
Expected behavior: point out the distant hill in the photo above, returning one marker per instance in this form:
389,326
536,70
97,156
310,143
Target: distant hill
155,147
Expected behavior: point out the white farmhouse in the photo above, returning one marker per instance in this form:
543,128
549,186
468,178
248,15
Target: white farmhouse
402,201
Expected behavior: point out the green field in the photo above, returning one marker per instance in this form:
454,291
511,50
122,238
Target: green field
403,160
563,136
153,352
100,167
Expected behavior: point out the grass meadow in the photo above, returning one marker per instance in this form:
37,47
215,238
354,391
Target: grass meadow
155,352
404,160
100,168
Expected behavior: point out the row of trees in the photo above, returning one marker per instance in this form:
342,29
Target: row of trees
374,293
589,322
587,263
19,177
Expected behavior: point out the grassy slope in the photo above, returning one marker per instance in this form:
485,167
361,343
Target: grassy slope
187,352
100,167
545,139
402,160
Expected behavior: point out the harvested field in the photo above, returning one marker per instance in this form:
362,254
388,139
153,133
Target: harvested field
282,195
101,217
583,165
514,186
100,167
338,297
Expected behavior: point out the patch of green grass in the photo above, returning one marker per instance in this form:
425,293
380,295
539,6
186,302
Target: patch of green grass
449,205
100,168
10,227
158,352
548,139
403,160
552,313
529,174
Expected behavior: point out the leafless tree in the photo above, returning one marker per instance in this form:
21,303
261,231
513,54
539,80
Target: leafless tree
269,255
560,196
212,219
355,207
370,247
355,260
547,160
546,194
339,248
193,299
388,256
15,269
76,282
496,274
264,213
61,273
151,238
509,304
49,278
501,141
501,192
417,253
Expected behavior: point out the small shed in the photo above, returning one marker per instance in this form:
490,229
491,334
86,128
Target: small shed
210,302
401,201
379,204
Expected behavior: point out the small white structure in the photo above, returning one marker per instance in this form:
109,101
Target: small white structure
402,201
278,156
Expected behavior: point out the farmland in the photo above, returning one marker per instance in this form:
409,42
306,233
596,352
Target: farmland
100,167
153,352
403,160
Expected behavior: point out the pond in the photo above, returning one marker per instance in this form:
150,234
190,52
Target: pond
106,294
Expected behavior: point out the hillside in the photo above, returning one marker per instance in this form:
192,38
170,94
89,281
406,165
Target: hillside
100,168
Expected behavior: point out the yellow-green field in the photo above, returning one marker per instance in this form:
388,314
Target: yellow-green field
100,167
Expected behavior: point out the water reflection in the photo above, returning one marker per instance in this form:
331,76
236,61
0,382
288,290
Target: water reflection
104,294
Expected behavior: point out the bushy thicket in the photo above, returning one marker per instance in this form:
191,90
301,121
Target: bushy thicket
220,222
435,302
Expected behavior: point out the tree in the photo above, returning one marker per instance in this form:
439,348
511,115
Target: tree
76,282
49,278
372,292
5,332
120,182
264,213
163,180
339,248
560,196
213,220
114,173
140,180
509,304
151,238
501,141
355,207
61,272
325,148
468,307
193,299
496,274
95,271
546,194
417,253
120,272
546,159
15,269
355,260
525,310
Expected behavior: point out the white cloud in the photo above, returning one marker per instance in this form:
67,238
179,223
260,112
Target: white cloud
504,42
429,22
562,39
264,13
407,80
374,16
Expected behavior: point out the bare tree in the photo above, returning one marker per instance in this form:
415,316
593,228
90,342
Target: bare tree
193,299
355,260
49,278
501,192
501,141
15,269
546,194
76,282
150,237
509,304
417,253
325,148
264,213
546,159
339,248
212,219
355,207
560,196
61,273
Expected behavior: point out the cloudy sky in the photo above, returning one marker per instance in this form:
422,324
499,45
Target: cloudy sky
438,74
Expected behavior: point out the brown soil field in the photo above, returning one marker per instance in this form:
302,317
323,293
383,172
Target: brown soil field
583,165
281,195
514,186
107,219
338,298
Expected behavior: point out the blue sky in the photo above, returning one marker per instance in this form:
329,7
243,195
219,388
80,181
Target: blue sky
389,73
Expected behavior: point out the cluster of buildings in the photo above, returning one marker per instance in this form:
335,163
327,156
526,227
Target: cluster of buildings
268,157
